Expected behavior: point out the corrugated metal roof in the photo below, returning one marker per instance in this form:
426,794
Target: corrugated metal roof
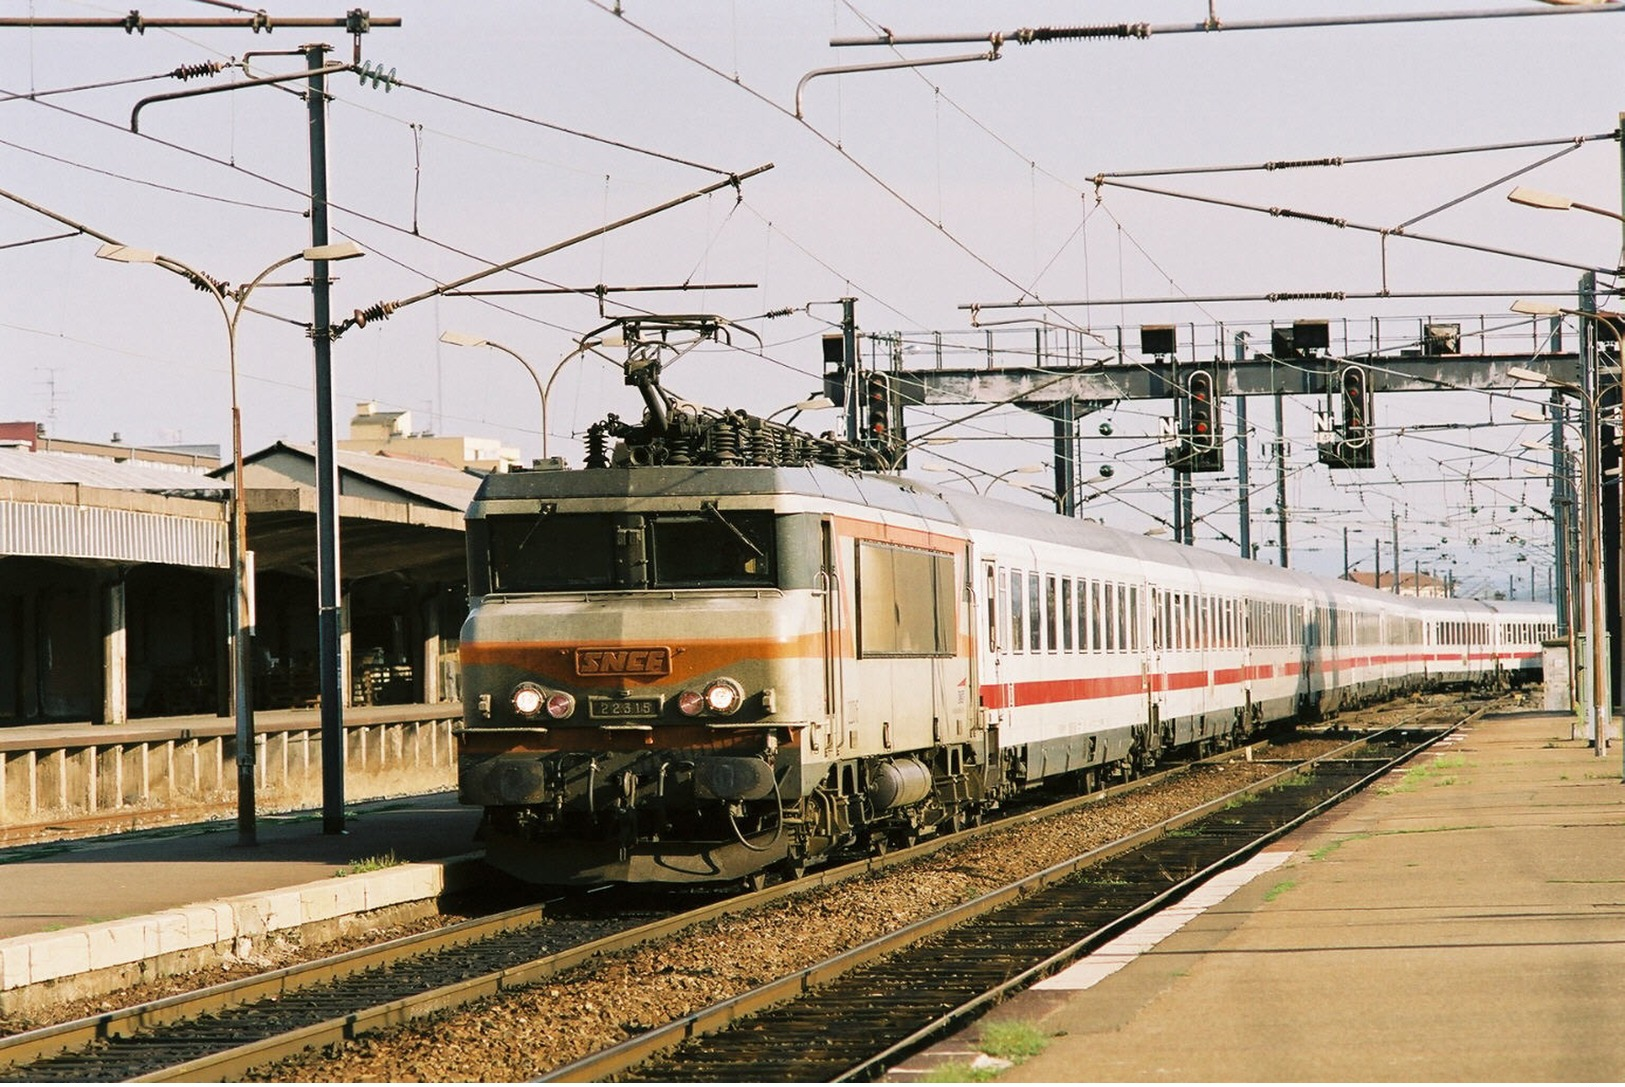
440,484
110,474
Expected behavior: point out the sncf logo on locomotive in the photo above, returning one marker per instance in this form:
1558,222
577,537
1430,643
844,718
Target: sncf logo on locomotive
635,661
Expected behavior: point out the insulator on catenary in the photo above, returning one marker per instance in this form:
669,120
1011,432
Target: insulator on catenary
377,312
1029,35
376,76
194,71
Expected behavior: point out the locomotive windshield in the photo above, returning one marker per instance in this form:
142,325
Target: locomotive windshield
583,552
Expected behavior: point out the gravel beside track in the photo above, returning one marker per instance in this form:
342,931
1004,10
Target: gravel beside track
521,1035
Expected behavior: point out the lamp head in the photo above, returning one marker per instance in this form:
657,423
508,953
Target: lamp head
1534,198
1521,373
127,254
1536,309
336,251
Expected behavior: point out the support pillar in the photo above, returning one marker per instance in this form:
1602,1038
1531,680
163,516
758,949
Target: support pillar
1064,416
430,619
1280,476
115,652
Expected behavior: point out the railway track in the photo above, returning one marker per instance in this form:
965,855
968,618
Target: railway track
852,1017
223,1032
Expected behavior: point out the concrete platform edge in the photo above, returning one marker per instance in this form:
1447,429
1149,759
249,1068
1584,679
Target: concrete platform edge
94,958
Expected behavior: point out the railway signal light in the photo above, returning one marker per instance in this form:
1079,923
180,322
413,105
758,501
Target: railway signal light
877,409
1201,448
1349,445
1357,417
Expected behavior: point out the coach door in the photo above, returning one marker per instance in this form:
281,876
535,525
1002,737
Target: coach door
1157,681
829,583
997,687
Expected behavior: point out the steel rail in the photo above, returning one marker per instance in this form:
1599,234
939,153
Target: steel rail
18,1049
44,1042
610,1062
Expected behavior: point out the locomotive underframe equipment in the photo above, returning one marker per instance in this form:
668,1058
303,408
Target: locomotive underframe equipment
584,817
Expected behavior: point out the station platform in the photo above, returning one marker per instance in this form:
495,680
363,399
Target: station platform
72,909
1464,920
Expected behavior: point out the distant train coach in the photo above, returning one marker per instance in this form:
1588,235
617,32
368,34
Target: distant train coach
695,674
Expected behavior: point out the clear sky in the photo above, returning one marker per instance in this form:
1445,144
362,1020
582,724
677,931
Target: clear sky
918,192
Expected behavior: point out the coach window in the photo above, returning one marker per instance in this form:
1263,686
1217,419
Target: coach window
1083,615
1066,614
1121,593
1050,610
1109,621
1018,625
906,602
1134,637
1094,616
1035,616
995,607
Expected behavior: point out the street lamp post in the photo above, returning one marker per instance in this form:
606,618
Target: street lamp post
1025,469
461,339
1600,709
1534,198
816,402
241,616
543,390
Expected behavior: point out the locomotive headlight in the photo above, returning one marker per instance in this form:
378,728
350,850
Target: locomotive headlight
691,703
528,699
723,696
560,705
